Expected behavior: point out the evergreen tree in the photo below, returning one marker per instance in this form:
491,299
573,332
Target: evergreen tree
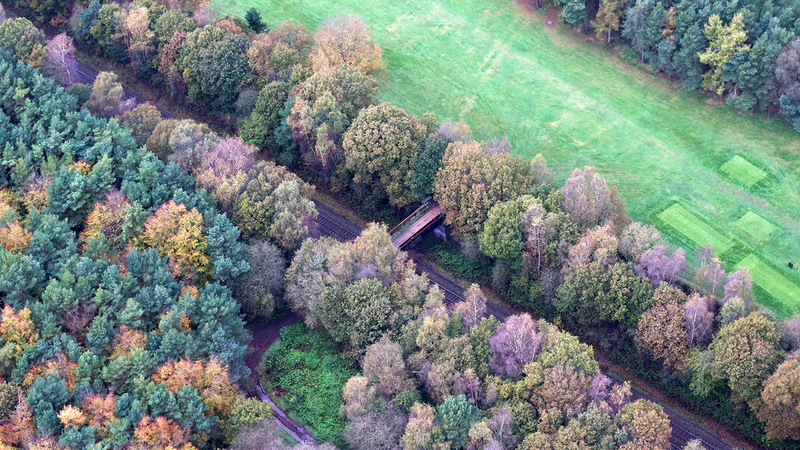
724,41
574,12
607,19
637,26
753,70
253,18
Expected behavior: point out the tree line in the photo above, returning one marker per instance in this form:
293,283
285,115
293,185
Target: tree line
746,52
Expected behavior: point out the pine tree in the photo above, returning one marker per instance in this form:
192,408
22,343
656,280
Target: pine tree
607,19
724,41
635,24
253,19
753,69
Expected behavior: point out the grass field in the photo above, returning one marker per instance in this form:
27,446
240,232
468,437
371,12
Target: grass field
494,64
770,280
754,225
743,171
695,228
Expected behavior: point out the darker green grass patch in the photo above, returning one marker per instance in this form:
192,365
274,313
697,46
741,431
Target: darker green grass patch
309,371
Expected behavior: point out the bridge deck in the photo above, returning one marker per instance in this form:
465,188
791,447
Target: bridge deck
420,225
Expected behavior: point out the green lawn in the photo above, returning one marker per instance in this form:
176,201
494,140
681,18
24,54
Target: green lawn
754,225
495,65
695,228
743,171
770,280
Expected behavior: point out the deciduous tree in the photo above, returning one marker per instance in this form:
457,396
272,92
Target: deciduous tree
60,58
221,70
223,171
658,267
106,95
745,352
419,428
516,343
607,19
324,106
636,239
178,233
381,148
142,121
26,42
345,40
598,245
661,334
593,294
739,285
590,202
259,128
779,405
383,365
698,319
471,181
263,283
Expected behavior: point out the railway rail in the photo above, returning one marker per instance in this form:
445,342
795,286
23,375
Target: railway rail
683,429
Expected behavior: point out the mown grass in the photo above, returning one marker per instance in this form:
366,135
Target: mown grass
695,228
773,282
755,225
742,171
495,65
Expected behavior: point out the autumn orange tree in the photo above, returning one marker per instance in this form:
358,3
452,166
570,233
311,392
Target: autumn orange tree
210,378
345,40
17,329
779,404
161,433
178,233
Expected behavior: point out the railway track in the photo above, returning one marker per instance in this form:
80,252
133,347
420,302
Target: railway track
683,429
284,421
86,75
332,224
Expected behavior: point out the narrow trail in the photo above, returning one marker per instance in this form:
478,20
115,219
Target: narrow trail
262,337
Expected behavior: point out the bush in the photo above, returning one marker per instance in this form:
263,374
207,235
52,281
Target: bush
312,374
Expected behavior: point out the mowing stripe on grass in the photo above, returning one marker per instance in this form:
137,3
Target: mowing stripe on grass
773,282
755,225
695,228
743,171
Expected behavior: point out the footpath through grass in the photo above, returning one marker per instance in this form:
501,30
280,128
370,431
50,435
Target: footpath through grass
494,64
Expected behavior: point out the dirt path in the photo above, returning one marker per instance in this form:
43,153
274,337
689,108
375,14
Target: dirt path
262,337
265,335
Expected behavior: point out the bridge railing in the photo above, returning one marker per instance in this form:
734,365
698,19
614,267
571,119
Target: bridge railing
419,212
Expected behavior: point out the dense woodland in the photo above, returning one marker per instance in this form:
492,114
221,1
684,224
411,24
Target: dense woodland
102,302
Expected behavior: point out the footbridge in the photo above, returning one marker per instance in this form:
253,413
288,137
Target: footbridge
415,225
